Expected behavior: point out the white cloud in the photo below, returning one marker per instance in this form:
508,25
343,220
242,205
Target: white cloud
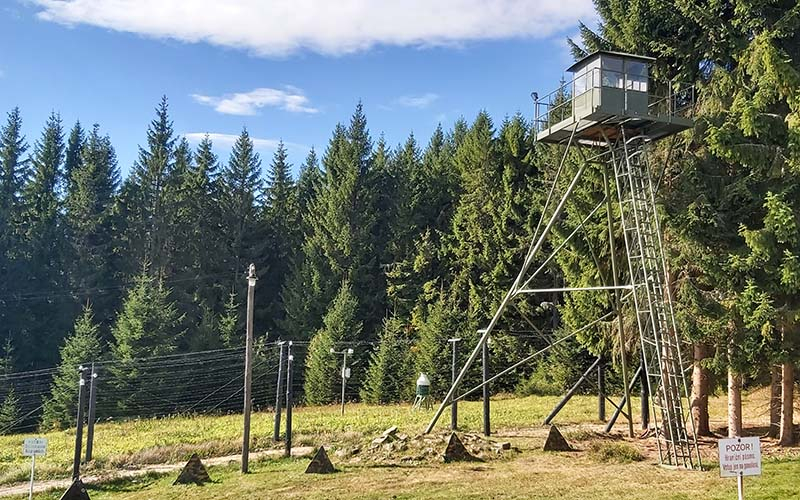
417,101
280,27
227,140
247,103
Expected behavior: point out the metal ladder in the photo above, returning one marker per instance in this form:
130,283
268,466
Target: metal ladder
652,302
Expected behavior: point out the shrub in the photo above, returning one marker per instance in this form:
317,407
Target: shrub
614,452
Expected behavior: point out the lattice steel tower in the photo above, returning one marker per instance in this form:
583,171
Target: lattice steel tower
609,113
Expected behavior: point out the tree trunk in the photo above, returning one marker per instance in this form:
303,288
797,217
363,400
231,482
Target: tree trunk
700,383
787,402
699,401
774,402
734,403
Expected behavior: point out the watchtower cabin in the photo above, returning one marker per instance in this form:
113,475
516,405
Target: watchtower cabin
610,90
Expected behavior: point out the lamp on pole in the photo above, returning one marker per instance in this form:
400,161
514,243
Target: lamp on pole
345,370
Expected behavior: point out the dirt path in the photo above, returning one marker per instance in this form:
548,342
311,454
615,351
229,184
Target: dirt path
63,484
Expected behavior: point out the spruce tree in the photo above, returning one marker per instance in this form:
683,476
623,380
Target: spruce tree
307,290
308,183
72,155
13,172
281,216
389,201
145,197
440,322
81,347
471,244
43,242
148,325
9,412
320,385
89,221
196,232
204,331
241,190
390,377
340,244
229,322
13,169
340,328
6,357
434,188
433,183
182,243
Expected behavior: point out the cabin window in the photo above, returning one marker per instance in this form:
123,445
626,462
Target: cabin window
579,84
586,78
612,72
636,76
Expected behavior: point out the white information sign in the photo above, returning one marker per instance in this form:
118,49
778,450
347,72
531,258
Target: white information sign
34,447
740,457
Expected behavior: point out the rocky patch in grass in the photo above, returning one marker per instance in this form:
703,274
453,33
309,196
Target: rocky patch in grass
393,447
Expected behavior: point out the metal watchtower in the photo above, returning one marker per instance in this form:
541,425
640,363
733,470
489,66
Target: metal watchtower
609,112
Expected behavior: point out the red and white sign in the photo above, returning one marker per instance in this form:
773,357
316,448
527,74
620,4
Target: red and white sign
740,457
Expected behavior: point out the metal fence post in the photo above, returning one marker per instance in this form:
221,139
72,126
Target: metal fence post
277,434
601,392
486,425
289,395
454,404
76,460
645,394
91,416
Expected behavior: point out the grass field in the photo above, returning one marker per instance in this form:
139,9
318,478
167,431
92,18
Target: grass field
137,442
534,475
528,474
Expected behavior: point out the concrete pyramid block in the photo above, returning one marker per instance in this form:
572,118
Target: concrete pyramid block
320,464
194,472
555,441
457,452
76,491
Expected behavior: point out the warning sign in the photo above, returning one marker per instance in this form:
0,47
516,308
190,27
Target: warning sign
34,447
740,457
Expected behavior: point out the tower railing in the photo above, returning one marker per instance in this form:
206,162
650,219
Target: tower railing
664,98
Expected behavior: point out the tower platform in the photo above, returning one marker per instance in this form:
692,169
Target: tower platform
609,90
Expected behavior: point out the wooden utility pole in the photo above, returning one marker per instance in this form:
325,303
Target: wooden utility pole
248,367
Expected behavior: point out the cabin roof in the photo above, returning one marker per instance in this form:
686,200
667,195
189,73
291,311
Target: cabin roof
611,53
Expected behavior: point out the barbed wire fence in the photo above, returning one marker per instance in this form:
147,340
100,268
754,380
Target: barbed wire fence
191,384
22,397
196,383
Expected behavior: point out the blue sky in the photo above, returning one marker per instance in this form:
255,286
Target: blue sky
286,70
